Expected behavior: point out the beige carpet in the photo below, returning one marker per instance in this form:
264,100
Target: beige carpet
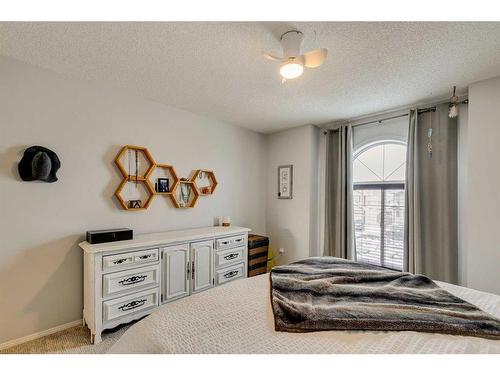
74,340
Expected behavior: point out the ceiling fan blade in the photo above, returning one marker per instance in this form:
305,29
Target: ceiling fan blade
271,57
315,58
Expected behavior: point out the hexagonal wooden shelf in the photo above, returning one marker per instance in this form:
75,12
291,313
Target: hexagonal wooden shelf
194,190
123,202
205,190
171,171
122,169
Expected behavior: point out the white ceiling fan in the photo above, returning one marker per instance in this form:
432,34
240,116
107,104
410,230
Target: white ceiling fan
292,62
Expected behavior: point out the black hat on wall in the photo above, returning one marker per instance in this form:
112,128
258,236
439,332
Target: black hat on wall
39,163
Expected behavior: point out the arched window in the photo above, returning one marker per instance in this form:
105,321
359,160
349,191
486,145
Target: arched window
379,203
380,162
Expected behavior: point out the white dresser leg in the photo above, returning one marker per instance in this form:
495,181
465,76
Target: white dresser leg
95,338
83,321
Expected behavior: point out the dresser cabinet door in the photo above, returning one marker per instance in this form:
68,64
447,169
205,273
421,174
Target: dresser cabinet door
176,272
202,266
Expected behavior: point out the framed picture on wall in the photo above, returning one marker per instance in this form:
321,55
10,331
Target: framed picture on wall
285,182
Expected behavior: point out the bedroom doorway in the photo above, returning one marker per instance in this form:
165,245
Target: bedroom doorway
379,203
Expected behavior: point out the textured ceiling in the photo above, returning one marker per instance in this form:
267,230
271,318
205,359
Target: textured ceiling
216,69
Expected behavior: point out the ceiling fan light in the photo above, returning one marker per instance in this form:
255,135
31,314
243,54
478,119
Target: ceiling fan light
291,70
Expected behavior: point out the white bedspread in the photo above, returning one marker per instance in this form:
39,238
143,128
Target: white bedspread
237,318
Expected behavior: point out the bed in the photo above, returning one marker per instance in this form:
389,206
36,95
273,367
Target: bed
237,318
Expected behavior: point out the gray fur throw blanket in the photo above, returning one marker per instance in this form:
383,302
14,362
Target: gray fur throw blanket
326,293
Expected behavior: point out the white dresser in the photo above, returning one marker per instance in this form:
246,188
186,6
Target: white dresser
126,280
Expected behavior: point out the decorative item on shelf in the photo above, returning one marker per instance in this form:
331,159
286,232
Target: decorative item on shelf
162,185
226,221
205,181
135,176
285,182
39,163
186,194
135,203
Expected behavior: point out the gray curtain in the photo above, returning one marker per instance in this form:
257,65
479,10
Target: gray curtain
431,238
339,237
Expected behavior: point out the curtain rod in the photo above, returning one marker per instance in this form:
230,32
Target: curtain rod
423,110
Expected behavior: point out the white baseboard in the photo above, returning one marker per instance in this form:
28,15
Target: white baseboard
33,336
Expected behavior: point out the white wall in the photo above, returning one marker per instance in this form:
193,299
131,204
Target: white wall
40,263
292,223
481,192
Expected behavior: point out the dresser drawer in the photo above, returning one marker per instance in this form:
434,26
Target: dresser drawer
126,281
129,305
225,258
230,273
229,242
128,260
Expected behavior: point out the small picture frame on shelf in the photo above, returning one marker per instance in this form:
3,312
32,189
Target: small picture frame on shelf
163,185
285,181
135,203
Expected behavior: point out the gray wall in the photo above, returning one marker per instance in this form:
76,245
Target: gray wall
292,223
40,263
480,190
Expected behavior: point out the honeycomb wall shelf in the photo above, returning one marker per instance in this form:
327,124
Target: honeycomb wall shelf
171,171
123,202
147,155
145,181
194,192
211,178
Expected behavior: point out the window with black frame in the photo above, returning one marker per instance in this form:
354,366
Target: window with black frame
379,203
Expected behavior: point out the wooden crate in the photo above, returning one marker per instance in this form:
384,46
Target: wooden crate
258,247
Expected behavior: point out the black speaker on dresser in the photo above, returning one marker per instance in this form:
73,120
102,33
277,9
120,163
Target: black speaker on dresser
109,235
